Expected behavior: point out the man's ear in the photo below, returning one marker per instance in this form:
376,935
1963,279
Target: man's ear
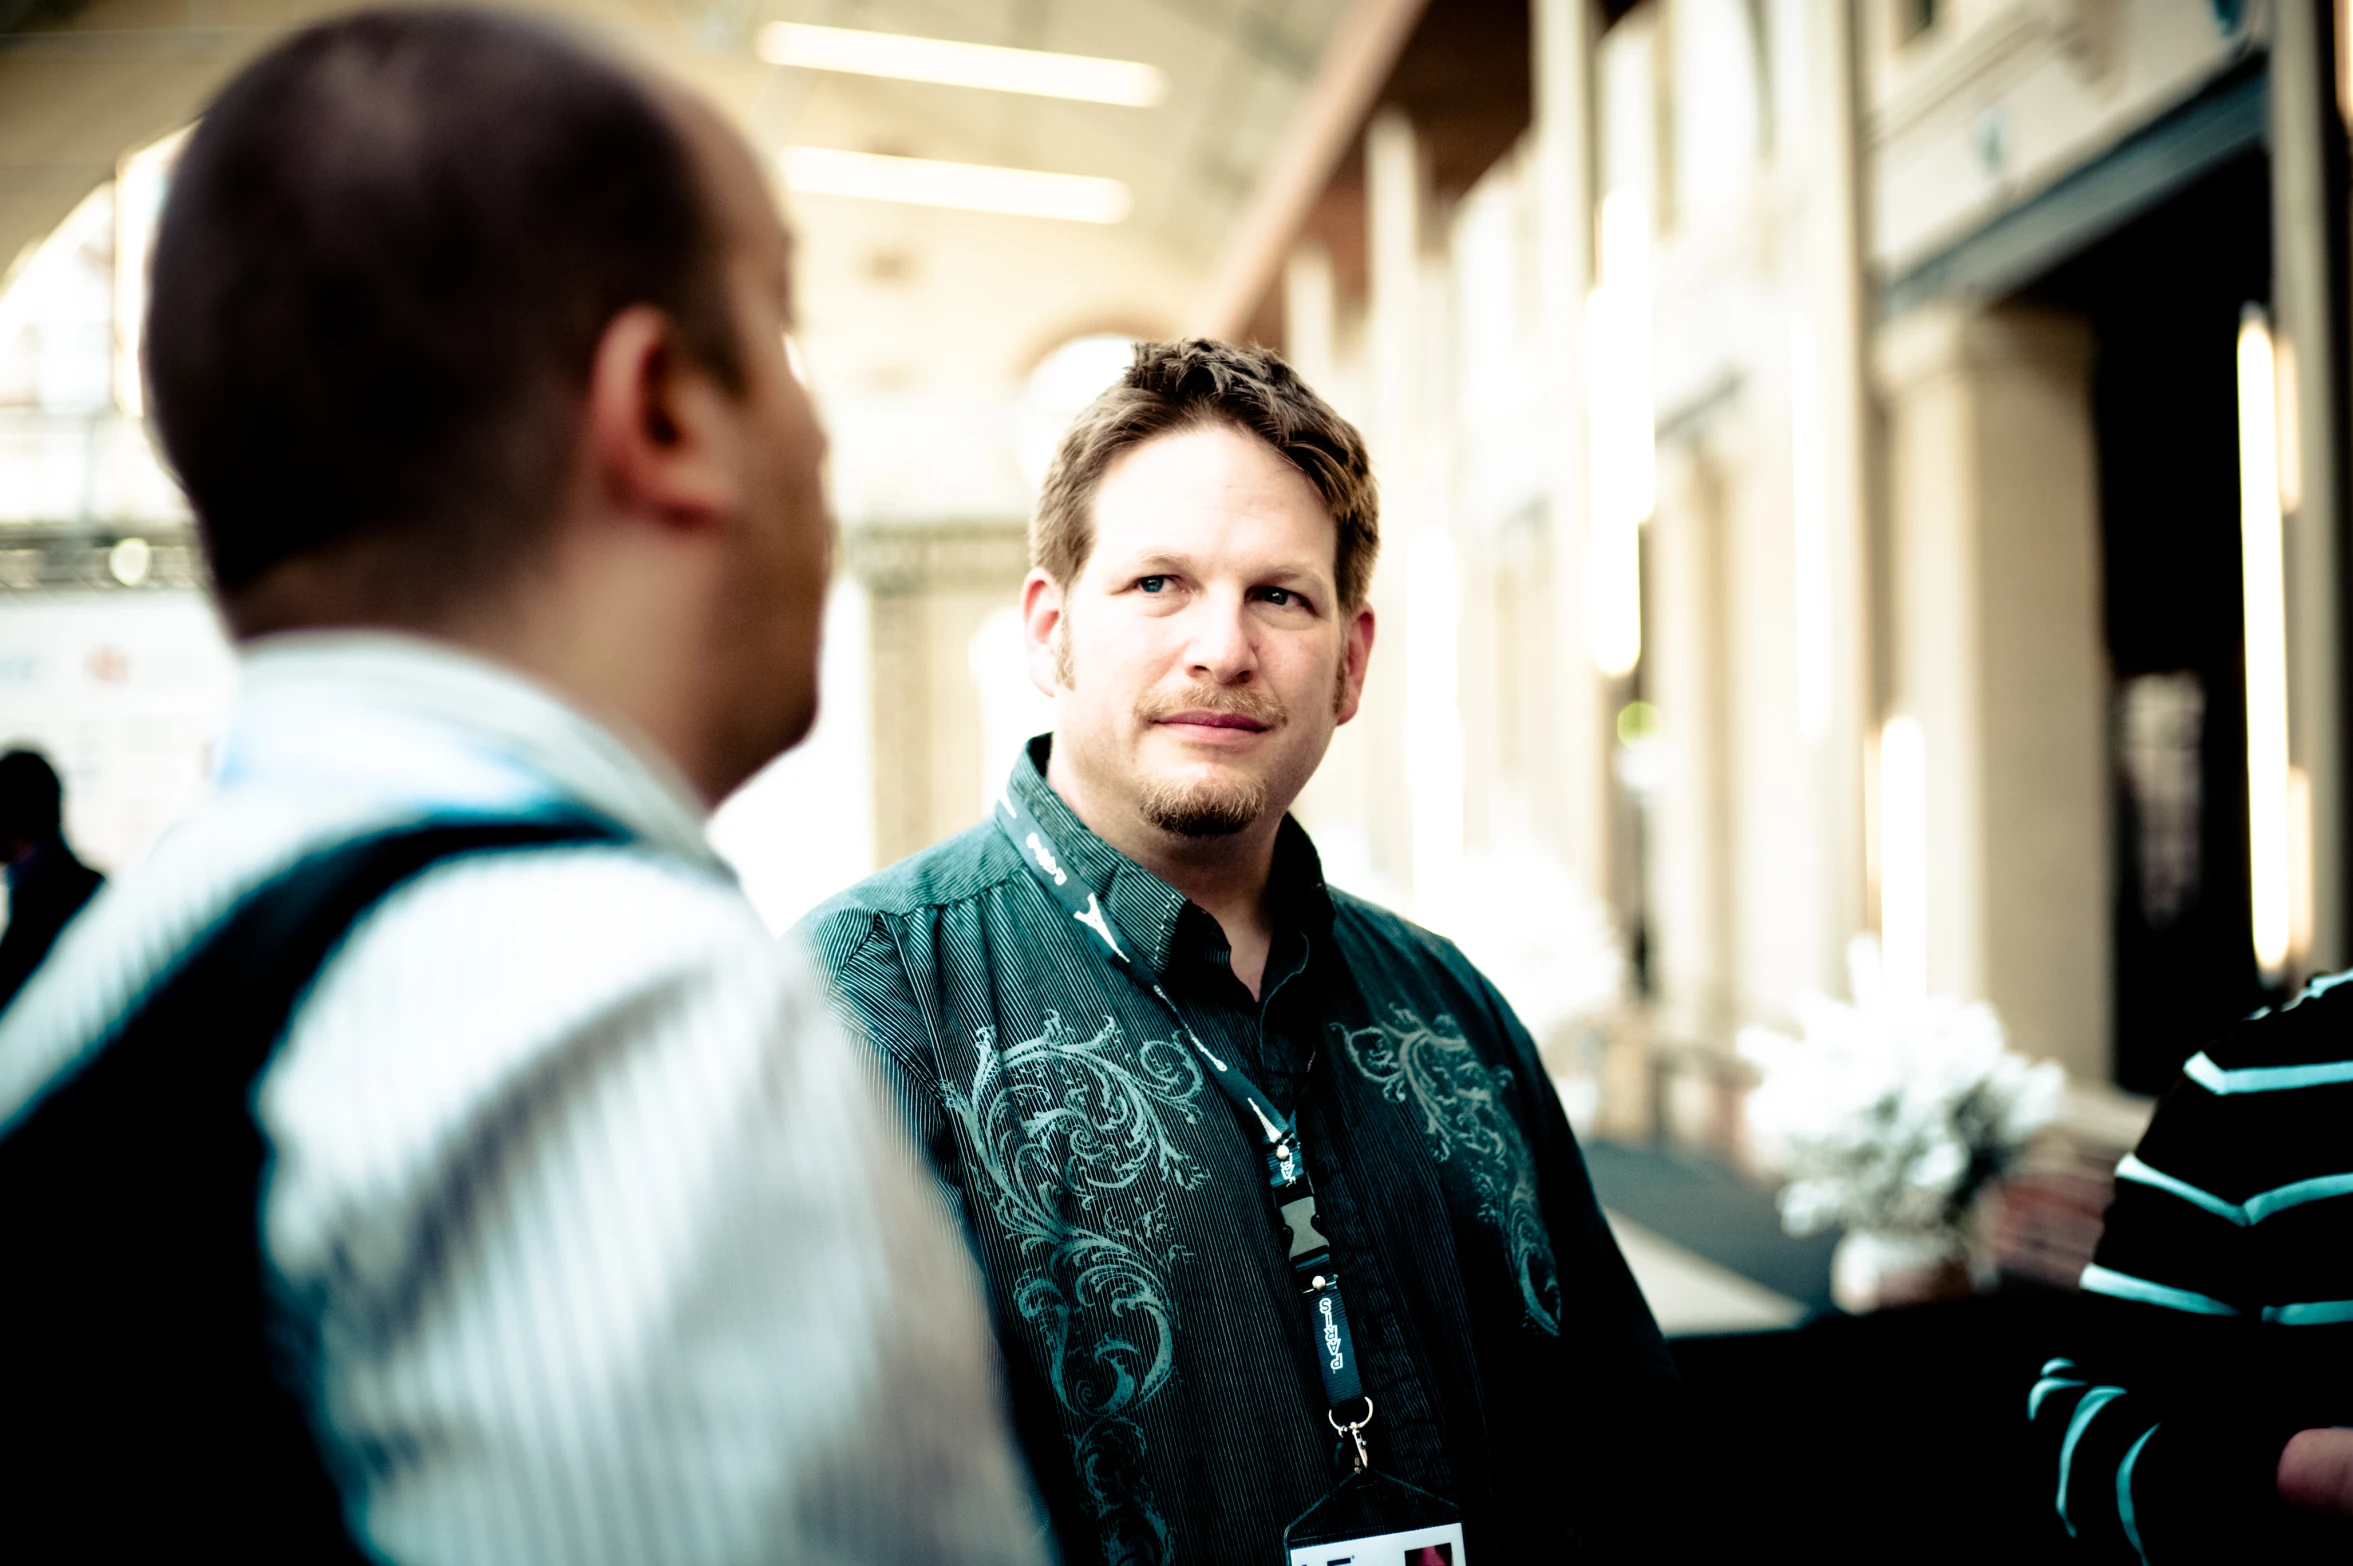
1355,658
1041,624
659,434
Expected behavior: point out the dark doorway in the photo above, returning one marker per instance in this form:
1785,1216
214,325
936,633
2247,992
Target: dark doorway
2163,296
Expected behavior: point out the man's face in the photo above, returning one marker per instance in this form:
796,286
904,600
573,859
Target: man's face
1201,660
782,543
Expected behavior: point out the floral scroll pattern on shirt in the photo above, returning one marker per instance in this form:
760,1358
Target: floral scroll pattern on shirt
1432,1068
1075,1135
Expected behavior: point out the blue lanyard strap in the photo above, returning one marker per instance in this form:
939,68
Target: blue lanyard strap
1286,1171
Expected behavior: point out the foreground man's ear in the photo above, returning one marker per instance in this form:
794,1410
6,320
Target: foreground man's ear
659,434
1041,624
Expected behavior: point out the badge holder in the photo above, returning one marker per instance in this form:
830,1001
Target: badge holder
1371,1519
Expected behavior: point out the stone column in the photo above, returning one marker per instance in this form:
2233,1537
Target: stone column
1578,750
929,589
1997,652
1695,858
1395,199
1311,314
1838,700
2309,272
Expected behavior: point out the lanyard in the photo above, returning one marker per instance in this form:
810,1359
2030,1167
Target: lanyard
1286,1170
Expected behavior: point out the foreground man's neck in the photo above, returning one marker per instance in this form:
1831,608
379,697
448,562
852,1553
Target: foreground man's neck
1227,875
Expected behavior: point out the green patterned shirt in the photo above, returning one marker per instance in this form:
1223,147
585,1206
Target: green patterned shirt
1159,1364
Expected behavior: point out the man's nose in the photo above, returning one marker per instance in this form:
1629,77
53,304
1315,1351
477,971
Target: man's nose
1220,647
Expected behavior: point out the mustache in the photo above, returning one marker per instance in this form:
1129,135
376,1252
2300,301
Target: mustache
1259,707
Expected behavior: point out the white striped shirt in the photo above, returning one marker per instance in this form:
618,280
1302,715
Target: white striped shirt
618,1257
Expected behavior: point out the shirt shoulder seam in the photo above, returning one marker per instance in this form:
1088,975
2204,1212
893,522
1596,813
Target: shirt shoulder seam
882,940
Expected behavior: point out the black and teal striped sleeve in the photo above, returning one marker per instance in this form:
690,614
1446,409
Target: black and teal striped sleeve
2098,1432
2218,1307
2177,1236
2149,1450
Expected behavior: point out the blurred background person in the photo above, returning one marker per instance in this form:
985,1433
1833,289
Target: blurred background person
1862,477
426,1154
47,884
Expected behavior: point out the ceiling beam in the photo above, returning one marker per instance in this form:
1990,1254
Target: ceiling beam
1364,49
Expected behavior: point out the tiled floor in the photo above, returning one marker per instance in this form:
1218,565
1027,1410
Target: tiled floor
1712,1254
1689,1294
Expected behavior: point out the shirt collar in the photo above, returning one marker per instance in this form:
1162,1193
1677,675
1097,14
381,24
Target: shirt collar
421,724
1147,910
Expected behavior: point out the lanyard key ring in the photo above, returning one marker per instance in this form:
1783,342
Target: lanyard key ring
1354,1431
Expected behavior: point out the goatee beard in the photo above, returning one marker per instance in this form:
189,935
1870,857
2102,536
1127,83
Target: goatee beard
1204,809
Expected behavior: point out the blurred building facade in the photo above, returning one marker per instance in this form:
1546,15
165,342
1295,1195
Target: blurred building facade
1821,434
1810,438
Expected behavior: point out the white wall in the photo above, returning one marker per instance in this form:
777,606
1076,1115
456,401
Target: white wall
128,694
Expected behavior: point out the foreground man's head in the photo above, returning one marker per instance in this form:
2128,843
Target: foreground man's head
520,1196
1204,545
459,329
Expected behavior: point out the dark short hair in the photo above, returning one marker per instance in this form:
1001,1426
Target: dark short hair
1178,385
386,260
31,800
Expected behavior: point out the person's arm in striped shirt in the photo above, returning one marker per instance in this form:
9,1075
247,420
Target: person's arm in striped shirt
2219,1308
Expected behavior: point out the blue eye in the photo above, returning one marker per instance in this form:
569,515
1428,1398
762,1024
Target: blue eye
1278,595
1152,584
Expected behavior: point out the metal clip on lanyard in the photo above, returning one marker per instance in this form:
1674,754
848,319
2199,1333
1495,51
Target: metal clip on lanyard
1286,1170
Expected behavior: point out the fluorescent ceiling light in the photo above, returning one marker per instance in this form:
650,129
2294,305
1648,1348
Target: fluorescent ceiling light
1130,83
972,187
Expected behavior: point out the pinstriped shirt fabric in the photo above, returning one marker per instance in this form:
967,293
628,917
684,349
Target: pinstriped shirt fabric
2220,1300
611,1251
1158,1353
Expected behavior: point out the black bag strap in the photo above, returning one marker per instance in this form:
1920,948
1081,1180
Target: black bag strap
156,1407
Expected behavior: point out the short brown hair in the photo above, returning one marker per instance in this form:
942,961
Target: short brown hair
382,272
1180,385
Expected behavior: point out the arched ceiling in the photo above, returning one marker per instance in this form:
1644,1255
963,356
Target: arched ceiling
918,322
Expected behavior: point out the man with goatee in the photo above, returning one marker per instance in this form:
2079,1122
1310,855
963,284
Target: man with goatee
1291,1250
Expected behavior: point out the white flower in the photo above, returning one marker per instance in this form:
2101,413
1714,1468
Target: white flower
1892,1113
